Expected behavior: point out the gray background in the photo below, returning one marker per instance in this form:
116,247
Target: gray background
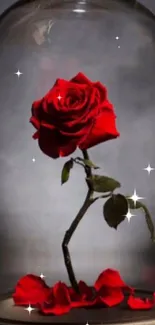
35,210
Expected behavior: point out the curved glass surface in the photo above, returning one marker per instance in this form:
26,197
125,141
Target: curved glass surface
110,41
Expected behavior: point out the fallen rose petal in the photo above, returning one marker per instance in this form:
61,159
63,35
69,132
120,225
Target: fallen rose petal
111,296
83,303
84,298
138,303
60,293
59,302
110,278
108,291
85,291
55,310
31,289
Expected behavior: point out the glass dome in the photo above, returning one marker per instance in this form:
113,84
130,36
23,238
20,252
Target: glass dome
111,41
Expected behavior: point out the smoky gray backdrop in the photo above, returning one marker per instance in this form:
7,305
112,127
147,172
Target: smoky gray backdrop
35,210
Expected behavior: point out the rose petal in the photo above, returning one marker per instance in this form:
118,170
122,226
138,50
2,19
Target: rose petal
59,303
103,129
85,291
83,299
53,144
102,90
80,78
110,278
35,122
36,106
36,135
111,296
138,303
55,310
32,290
48,141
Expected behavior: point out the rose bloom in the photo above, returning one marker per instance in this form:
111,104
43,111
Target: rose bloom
75,113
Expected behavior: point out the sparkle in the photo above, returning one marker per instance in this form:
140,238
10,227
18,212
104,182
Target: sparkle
59,97
135,197
42,276
118,46
18,73
149,169
117,37
33,159
29,309
129,215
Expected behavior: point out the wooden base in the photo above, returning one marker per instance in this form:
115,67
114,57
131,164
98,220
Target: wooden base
10,314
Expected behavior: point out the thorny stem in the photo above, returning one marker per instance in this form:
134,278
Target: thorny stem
69,233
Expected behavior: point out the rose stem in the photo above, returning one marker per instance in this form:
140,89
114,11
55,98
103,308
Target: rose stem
69,233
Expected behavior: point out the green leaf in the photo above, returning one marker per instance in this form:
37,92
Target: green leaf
102,184
89,163
115,209
66,171
148,219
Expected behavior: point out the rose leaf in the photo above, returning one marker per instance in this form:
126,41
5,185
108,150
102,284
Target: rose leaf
66,171
102,184
89,163
115,209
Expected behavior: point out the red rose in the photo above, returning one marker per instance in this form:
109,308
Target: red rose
82,117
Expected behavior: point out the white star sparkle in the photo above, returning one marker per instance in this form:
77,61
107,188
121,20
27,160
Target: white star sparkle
117,37
149,169
18,73
135,197
59,97
29,309
33,159
42,276
129,215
